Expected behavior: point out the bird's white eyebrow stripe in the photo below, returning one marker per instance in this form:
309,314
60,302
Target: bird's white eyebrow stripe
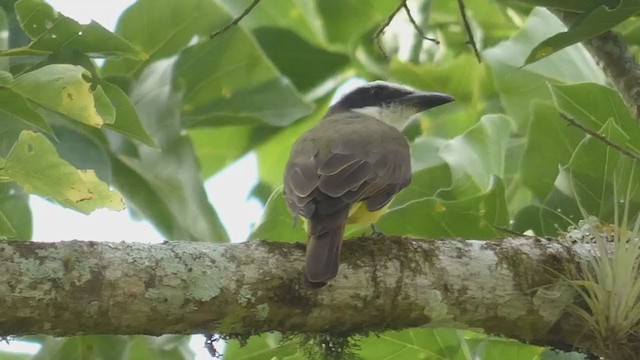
386,83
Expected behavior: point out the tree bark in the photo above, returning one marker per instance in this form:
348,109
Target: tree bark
507,287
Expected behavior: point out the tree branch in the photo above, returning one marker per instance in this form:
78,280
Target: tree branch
616,60
236,20
377,35
573,122
415,25
467,27
68,288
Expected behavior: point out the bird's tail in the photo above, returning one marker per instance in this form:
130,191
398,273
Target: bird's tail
323,247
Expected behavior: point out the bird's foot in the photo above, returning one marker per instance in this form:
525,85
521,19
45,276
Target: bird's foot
375,232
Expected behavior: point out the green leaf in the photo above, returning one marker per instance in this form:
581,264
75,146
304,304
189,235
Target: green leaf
559,156
306,65
10,355
426,183
552,354
570,5
166,347
491,22
82,347
66,89
15,209
10,129
165,186
83,147
520,87
35,16
346,20
476,217
264,346
499,348
277,223
425,153
558,211
51,32
213,156
550,145
6,230
630,32
299,16
229,75
4,44
592,105
14,104
481,151
6,78
414,343
585,186
463,78
594,170
162,28
34,164
587,25
168,191
126,121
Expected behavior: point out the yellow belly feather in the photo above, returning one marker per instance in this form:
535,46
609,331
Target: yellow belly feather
360,215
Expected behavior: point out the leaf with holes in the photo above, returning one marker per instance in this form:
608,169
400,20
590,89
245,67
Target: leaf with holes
51,32
34,164
67,89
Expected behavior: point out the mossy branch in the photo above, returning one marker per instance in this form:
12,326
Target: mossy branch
508,287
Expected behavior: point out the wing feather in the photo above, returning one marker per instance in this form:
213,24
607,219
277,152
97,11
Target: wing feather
335,162
346,179
333,165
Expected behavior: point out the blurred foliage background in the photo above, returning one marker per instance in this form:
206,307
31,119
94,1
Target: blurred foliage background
142,116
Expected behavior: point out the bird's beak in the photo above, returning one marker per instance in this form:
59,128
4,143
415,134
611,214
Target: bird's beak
422,101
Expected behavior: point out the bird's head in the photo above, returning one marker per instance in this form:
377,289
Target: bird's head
391,103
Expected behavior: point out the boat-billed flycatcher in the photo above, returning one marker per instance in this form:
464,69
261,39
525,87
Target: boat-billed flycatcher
347,168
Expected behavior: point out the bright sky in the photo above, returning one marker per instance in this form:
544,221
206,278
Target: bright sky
229,190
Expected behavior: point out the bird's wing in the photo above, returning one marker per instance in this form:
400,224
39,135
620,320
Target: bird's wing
341,162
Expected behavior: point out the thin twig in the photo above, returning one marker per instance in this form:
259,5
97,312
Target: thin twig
467,27
415,25
600,137
235,21
378,34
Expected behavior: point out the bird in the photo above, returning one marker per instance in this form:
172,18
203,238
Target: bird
348,167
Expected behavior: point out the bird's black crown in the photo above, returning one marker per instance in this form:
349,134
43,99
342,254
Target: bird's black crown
373,94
